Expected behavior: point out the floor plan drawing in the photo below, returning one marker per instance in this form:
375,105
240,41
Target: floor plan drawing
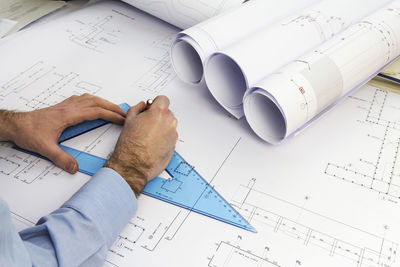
379,172
184,14
161,73
144,233
42,85
231,254
95,33
24,167
356,245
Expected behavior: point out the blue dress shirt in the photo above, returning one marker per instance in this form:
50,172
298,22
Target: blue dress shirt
79,233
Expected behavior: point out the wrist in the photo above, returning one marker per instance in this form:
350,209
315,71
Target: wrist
135,179
10,124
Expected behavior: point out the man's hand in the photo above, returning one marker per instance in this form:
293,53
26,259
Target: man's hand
39,130
146,143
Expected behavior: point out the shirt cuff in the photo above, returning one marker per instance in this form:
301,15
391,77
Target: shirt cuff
107,200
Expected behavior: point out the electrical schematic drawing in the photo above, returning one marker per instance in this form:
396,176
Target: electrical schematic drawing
380,173
325,24
95,34
145,233
24,167
43,85
232,254
184,13
358,247
161,73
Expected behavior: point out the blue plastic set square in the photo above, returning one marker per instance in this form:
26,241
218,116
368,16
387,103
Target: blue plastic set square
187,188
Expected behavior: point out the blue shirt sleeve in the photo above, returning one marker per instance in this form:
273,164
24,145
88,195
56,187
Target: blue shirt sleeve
77,234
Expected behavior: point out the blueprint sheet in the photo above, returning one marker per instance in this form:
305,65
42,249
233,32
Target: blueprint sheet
329,197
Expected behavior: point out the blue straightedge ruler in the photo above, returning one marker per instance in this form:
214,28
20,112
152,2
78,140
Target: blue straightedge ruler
188,189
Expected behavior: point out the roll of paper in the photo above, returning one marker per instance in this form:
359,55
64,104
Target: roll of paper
192,47
288,100
230,72
184,14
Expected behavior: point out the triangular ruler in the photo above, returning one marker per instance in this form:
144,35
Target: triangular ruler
187,189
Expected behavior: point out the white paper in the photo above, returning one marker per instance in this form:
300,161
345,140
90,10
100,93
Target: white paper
6,26
230,72
329,197
308,85
193,46
184,14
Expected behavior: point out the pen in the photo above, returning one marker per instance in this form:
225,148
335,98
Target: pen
149,102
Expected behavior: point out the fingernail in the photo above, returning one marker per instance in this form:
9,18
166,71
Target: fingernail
72,167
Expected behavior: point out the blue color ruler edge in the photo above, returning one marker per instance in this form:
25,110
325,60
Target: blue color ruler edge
88,164
245,226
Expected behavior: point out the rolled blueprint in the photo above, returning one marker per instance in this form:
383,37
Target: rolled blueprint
193,46
184,14
289,99
230,72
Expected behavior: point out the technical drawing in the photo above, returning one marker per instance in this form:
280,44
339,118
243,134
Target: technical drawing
8,166
24,167
325,24
157,77
354,245
126,241
183,14
146,232
380,173
95,33
54,85
161,73
228,254
25,79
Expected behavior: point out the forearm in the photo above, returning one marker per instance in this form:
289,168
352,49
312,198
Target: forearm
8,124
84,228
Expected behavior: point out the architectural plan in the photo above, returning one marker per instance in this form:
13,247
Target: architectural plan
238,67
184,14
192,47
283,102
328,197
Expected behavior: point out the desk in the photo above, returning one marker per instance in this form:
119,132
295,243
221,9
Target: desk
328,197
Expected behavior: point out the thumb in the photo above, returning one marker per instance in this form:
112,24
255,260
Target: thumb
135,110
61,158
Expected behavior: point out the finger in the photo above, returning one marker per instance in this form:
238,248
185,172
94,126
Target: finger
171,119
138,108
174,122
160,101
94,113
70,99
60,158
110,106
168,156
95,101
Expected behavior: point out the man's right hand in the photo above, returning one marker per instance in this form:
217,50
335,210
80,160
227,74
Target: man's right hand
146,143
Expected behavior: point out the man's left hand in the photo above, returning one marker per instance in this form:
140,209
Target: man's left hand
39,130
